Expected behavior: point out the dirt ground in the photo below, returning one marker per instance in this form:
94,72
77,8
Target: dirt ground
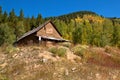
37,63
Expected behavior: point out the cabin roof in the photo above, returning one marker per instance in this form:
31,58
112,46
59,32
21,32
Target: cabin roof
37,29
55,39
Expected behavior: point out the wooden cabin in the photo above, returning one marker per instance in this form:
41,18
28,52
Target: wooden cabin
45,34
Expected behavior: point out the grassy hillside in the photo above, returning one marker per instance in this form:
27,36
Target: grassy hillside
61,62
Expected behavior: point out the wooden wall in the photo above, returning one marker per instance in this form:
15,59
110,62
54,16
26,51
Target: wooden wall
49,31
29,40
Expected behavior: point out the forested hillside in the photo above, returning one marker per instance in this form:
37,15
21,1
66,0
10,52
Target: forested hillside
13,26
84,27
89,28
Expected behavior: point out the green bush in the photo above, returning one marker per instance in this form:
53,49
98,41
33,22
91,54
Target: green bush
61,52
79,50
2,77
53,50
66,44
58,51
10,49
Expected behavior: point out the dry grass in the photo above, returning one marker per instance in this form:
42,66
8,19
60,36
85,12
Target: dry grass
26,64
107,56
66,70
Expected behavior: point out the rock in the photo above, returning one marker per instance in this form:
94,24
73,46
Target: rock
98,77
3,65
73,69
47,55
114,77
44,60
14,55
66,72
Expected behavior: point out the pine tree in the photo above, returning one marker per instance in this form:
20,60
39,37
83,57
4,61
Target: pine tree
39,20
12,19
106,36
7,35
27,24
12,16
0,14
0,10
21,16
116,34
5,17
77,35
33,23
19,29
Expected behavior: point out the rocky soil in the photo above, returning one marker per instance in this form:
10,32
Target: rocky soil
37,63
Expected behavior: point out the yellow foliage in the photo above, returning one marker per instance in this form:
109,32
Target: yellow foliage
89,18
92,18
78,19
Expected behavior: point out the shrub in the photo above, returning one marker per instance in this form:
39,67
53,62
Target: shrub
61,52
2,77
82,51
66,44
108,49
79,50
53,50
10,49
58,51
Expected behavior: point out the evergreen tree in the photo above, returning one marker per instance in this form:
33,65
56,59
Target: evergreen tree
7,34
12,16
27,24
19,29
39,20
0,14
33,23
77,35
21,16
116,34
0,10
5,17
12,19
107,32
